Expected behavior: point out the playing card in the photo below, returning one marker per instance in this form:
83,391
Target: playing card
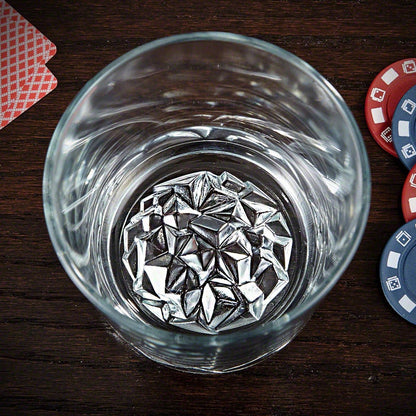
21,53
41,83
8,12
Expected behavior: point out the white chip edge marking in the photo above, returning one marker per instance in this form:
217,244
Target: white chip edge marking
389,76
403,127
393,259
412,204
377,114
407,304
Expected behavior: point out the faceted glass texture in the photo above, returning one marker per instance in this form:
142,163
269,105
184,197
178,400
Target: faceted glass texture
207,252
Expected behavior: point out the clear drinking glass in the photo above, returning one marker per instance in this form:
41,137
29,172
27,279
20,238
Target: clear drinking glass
200,102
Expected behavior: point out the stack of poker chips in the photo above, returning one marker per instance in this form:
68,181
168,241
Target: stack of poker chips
390,110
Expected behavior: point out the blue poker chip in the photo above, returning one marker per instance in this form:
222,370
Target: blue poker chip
398,271
404,128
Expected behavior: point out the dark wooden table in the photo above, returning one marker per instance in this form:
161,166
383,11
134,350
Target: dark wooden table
355,357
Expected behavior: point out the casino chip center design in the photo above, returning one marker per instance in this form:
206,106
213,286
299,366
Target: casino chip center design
207,252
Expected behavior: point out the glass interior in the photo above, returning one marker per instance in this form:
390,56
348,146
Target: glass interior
215,102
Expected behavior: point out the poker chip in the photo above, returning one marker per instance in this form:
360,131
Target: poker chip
404,128
383,95
397,271
409,196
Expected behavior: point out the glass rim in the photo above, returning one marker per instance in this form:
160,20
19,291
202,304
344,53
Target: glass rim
123,321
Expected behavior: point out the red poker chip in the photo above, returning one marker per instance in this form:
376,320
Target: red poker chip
383,96
409,196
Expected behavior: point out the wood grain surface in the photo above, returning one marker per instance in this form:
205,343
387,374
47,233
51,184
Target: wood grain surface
355,357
